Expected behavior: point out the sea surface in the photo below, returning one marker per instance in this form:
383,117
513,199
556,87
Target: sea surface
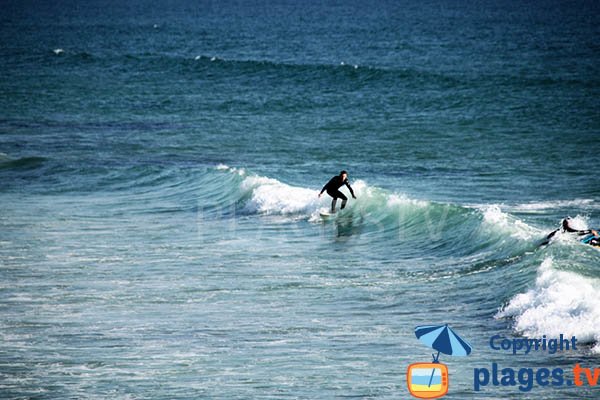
160,235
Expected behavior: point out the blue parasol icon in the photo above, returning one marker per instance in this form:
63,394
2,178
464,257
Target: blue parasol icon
443,339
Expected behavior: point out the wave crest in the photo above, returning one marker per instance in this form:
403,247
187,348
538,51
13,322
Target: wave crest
561,302
270,196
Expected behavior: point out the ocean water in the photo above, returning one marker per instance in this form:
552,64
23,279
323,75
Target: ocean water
160,235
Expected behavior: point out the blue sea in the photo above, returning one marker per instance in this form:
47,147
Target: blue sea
160,230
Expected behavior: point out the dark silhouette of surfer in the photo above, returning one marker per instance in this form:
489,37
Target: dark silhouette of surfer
566,226
333,189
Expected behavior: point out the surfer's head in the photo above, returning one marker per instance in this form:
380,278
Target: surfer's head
344,174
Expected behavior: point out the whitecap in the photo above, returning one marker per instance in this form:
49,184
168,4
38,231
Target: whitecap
270,196
493,215
561,302
401,199
555,204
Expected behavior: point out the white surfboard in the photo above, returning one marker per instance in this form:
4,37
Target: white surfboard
325,214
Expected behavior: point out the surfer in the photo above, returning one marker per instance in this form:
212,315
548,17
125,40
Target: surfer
333,189
593,237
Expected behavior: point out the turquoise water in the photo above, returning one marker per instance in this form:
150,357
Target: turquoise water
160,233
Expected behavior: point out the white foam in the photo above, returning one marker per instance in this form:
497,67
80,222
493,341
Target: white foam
58,51
401,199
549,205
269,196
578,222
561,302
223,167
492,214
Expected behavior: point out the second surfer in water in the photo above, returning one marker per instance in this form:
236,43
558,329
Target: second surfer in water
333,189
593,237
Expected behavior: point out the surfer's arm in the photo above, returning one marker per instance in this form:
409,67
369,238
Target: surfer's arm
577,231
588,232
350,188
324,188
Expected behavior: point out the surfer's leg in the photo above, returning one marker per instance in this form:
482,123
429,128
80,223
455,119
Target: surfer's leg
333,205
344,199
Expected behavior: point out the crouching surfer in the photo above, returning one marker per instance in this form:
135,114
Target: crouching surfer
333,189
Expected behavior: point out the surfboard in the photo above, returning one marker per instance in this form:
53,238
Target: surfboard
325,214
590,240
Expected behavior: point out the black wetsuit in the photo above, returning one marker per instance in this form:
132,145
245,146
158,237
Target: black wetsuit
334,185
593,240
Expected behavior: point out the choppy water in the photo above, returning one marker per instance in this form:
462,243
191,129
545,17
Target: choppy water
160,233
